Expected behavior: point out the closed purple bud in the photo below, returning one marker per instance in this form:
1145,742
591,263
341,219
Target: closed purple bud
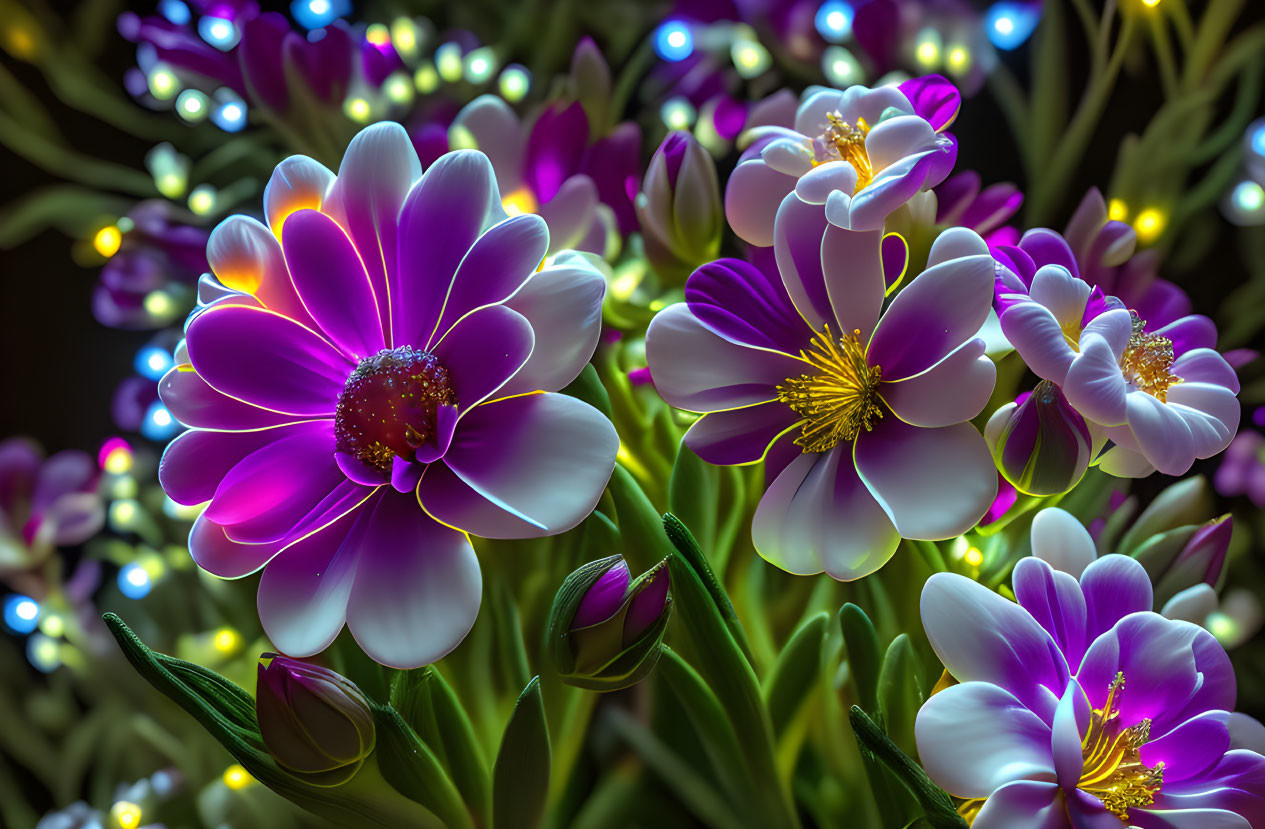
680,208
1201,559
1041,444
314,722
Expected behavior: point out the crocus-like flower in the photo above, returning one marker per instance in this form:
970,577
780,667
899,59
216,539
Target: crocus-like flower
960,202
381,376
314,722
1164,396
158,255
862,418
1040,443
547,166
44,503
1079,707
605,627
680,211
861,152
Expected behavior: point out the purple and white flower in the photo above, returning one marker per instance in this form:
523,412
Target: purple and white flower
861,420
378,378
1079,707
861,152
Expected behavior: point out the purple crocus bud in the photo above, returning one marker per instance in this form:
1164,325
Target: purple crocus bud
314,722
680,208
605,627
1201,559
1041,444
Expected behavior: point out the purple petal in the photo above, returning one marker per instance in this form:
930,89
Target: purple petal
555,145
522,467
1070,719
332,283
817,516
193,402
975,738
497,264
952,391
246,257
1026,803
1190,749
266,359
571,213
303,592
193,464
752,197
745,305
797,242
938,312
979,636
483,351
417,586
1188,333
298,183
695,368
1114,586
221,556
1038,338
1049,248
933,483
1055,601
443,216
739,436
934,98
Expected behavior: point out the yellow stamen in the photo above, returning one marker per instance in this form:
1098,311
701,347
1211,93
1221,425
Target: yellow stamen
839,399
1147,361
1113,771
847,142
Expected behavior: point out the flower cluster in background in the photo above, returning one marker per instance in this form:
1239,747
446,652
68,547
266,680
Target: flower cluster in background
706,412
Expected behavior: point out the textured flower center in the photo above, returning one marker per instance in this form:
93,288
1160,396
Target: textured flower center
388,405
847,142
1113,771
1147,361
839,399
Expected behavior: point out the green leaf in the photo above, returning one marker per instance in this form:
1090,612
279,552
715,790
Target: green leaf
520,780
426,701
692,495
588,387
412,768
861,643
900,692
683,540
793,675
644,543
934,801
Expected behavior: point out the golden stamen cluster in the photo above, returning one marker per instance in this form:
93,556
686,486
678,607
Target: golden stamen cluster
1147,361
848,142
839,399
1113,771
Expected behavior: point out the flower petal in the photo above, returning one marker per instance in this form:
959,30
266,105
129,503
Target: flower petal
483,351
895,138
1037,336
979,636
417,586
563,303
440,220
304,590
571,212
221,556
746,305
1062,541
935,314
953,390
852,268
933,483
739,436
695,368
298,183
975,738
797,236
332,283
1114,586
266,359
816,185
1055,601
818,516
193,464
1065,295
1204,365
1094,385
1162,435
522,467
1026,803
1191,748
246,257
1211,412
193,402
496,132
752,196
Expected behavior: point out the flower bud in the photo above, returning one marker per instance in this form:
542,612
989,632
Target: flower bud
1200,561
605,627
1041,445
315,723
679,207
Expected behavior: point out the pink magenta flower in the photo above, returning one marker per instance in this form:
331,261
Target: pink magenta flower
862,419
1164,397
373,380
861,152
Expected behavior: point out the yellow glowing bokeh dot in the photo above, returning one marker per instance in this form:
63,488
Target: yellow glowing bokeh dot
107,241
1151,3
236,777
227,640
973,557
1149,224
1117,210
125,814
519,202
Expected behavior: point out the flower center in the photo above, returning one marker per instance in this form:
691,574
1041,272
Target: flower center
847,142
1113,771
840,398
388,405
1147,361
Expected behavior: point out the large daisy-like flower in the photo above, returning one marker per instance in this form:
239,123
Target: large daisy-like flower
861,152
1079,707
1164,396
862,418
377,378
